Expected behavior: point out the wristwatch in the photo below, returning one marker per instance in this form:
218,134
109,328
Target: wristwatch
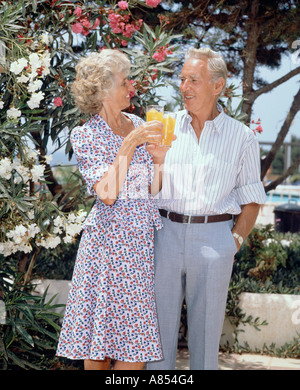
238,237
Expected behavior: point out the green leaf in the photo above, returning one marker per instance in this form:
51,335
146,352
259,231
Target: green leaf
15,359
26,336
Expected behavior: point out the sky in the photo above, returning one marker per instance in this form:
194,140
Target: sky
272,107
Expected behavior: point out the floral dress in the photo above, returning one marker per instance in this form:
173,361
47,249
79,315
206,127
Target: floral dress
111,308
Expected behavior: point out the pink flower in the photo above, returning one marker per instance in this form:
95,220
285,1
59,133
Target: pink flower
77,28
85,22
119,24
123,4
58,102
85,32
132,93
161,53
129,30
78,12
153,3
124,43
96,24
259,129
159,56
154,75
114,20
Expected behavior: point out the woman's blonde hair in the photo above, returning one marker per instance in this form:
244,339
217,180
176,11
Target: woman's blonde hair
95,78
216,64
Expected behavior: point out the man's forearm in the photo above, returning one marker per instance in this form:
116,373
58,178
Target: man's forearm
246,220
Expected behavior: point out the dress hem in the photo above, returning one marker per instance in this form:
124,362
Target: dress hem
110,357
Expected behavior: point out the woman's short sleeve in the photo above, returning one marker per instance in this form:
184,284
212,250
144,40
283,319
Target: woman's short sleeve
91,155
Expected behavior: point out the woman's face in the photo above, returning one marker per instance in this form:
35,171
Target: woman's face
120,93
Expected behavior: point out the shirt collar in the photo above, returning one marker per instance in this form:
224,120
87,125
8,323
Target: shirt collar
217,122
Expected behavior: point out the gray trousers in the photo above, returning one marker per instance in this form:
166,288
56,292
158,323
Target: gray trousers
192,261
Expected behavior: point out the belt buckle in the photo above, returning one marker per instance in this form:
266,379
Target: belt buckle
189,220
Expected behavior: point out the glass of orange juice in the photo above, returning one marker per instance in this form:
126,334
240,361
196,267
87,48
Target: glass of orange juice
169,121
154,113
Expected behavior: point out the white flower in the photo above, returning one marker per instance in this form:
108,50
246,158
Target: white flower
268,241
48,159
13,113
31,154
17,234
49,242
26,248
285,242
37,172
22,79
73,228
19,239
59,221
68,239
33,229
23,62
34,85
30,214
59,224
35,100
24,172
34,61
6,248
16,67
72,217
81,215
1,104
5,168
47,38
45,63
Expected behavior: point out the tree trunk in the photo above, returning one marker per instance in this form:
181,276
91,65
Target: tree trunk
249,59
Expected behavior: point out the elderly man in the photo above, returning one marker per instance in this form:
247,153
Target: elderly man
209,203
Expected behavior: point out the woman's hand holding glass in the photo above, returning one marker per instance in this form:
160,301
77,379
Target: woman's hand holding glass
148,132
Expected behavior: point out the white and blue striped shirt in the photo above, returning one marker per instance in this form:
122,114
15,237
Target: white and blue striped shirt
214,175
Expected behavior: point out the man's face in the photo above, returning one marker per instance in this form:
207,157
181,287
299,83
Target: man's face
197,90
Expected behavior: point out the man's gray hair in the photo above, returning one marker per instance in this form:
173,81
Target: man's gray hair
215,62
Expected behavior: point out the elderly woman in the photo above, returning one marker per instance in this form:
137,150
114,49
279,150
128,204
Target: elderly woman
111,313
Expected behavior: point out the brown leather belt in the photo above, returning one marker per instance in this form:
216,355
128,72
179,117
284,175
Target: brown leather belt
193,218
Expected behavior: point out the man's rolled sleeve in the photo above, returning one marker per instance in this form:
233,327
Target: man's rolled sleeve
249,187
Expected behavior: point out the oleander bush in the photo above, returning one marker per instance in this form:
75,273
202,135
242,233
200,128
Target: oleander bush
40,44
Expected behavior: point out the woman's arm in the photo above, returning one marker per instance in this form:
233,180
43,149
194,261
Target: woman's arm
108,188
158,163
158,153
